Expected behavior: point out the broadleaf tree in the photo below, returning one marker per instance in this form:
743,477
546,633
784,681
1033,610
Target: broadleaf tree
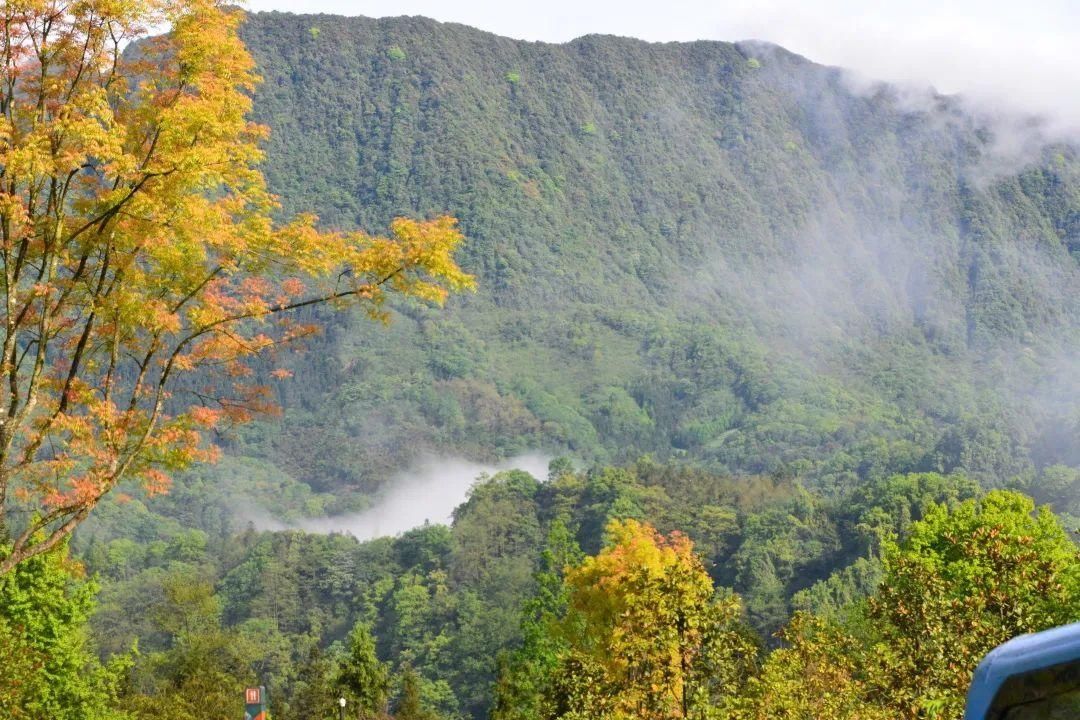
962,583
143,261
647,635
821,671
48,667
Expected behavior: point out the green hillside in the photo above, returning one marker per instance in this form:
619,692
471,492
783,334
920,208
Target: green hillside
709,252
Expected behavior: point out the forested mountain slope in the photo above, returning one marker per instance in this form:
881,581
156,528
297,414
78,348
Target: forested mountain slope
710,251
821,308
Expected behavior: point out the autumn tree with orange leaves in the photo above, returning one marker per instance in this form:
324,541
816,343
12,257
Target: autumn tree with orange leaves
139,248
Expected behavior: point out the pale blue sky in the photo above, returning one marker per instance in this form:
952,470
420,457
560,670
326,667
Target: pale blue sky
1003,52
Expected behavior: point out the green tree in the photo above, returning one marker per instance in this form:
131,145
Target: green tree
204,668
524,675
819,672
314,695
363,678
409,705
962,583
49,668
20,680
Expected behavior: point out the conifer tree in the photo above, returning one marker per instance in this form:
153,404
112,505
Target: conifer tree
363,678
410,706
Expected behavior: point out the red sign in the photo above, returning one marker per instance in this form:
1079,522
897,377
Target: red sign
251,696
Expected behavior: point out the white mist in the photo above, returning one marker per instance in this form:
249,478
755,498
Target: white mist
427,492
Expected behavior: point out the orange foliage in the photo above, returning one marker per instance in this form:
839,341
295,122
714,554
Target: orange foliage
137,245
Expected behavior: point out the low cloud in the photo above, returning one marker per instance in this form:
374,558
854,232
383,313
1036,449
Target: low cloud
427,492
1018,59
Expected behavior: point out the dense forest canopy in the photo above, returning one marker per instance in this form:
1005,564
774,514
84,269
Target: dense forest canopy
713,252
488,617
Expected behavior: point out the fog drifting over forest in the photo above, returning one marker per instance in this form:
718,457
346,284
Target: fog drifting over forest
427,492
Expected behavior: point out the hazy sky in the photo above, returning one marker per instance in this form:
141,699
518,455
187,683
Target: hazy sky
1025,54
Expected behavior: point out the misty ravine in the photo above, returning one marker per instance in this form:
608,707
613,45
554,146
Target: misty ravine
426,493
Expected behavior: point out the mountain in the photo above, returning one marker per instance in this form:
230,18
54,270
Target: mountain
747,298
709,252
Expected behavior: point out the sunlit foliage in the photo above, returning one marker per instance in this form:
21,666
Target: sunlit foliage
142,262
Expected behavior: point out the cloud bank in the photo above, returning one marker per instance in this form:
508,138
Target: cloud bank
1011,57
427,492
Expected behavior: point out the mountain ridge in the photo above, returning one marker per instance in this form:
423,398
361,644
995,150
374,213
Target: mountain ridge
627,202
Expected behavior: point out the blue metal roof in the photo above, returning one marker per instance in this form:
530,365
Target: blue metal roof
1017,656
